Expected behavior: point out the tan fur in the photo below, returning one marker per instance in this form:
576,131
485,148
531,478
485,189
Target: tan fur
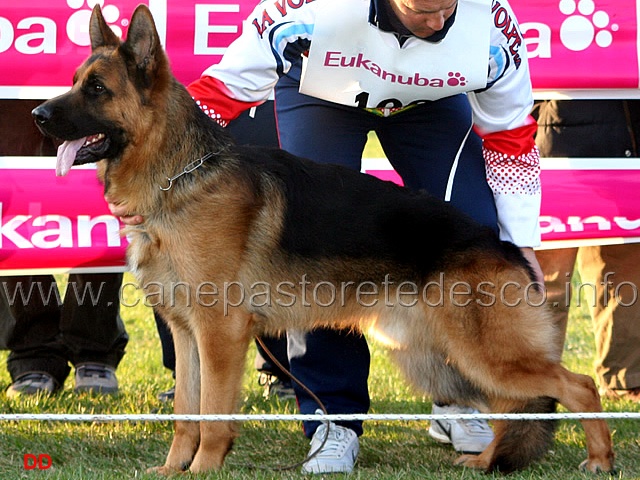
220,228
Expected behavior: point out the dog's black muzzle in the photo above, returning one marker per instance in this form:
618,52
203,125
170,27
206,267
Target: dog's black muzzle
42,116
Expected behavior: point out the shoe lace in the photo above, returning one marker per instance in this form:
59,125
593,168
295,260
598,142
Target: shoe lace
31,379
472,425
94,371
335,444
476,426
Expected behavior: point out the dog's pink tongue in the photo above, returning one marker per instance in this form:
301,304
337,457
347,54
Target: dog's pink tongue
66,155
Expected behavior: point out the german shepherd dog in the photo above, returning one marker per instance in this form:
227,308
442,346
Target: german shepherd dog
283,243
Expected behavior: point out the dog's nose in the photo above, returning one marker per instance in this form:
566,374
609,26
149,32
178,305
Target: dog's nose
41,114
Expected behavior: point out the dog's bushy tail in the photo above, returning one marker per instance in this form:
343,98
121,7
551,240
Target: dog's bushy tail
525,441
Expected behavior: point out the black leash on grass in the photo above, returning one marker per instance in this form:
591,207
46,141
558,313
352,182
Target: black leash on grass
313,396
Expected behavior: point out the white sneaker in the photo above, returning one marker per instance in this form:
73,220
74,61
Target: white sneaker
467,436
338,454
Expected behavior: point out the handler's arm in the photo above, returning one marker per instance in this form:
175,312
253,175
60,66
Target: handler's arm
502,118
251,66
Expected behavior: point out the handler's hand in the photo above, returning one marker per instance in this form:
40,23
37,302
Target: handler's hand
530,255
120,211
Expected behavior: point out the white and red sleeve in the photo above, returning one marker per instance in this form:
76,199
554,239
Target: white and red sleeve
250,68
512,164
502,117
215,99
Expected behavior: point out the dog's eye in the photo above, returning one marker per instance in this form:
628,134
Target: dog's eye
95,88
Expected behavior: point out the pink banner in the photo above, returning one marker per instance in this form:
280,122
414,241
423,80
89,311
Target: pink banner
572,44
50,223
584,201
590,205
580,44
66,226
42,42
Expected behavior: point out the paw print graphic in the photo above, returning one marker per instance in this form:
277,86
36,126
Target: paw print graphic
455,79
585,25
78,23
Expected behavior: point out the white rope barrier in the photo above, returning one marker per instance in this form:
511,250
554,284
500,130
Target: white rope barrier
311,417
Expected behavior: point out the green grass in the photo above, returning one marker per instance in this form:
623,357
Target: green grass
389,450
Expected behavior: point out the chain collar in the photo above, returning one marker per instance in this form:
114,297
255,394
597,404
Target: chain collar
188,169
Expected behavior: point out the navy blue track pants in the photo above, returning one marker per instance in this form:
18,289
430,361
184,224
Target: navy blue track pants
432,147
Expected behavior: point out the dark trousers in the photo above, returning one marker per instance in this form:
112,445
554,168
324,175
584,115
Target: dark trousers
432,148
276,345
45,333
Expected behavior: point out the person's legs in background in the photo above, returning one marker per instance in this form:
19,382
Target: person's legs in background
37,361
613,271
168,355
275,380
571,128
92,330
609,285
85,329
558,266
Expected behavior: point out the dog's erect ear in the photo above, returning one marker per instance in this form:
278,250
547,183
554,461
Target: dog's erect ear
142,38
100,33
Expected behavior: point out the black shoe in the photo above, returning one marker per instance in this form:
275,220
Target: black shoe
33,383
276,387
96,377
167,396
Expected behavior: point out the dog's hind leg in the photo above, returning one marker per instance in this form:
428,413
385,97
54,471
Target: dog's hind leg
517,443
223,344
579,393
187,401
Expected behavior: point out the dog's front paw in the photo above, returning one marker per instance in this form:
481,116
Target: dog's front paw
165,470
472,461
598,466
202,464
